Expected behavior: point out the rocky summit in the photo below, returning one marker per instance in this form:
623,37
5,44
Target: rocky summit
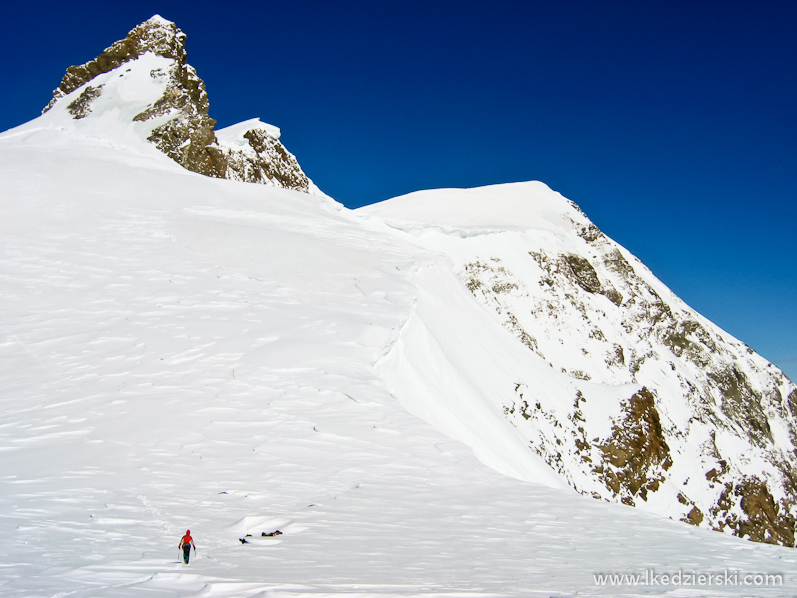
183,129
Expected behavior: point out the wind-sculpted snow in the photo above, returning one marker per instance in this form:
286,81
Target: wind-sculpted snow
181,352
626,392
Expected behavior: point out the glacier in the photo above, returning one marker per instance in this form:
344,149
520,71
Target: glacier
407,391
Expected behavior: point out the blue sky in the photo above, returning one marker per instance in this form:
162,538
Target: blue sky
672,124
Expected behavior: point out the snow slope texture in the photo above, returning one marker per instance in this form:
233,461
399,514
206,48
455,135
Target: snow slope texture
181,352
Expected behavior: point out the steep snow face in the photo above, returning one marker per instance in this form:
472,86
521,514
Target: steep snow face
142,86
620,387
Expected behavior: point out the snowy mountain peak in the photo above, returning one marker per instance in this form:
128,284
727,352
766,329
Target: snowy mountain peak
235,135
141,89
159,20
155,35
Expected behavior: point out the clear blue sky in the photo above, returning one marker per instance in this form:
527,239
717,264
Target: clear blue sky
673,124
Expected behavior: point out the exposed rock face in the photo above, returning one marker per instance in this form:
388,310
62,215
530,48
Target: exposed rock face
636,455
763,518
259,157
81,107
184,130
670,413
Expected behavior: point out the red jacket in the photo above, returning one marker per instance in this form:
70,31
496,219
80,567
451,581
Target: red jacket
187,540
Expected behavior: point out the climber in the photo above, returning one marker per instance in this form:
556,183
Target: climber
186,542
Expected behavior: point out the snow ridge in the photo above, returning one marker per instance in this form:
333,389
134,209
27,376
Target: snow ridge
625,391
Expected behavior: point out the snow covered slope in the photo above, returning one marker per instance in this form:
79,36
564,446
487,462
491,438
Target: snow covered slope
181,352
618,385
186,352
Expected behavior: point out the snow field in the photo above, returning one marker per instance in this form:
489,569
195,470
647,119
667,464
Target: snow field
186,353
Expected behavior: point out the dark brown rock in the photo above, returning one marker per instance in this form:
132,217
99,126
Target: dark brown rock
637,450
764,519
81,107
583,273
268,162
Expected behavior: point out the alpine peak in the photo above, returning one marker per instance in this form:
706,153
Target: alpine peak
144,84
156,35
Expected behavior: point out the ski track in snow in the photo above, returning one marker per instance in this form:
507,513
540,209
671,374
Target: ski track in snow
180,352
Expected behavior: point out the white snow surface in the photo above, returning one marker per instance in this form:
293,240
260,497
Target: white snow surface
185,352
160,20
233,136
496,208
